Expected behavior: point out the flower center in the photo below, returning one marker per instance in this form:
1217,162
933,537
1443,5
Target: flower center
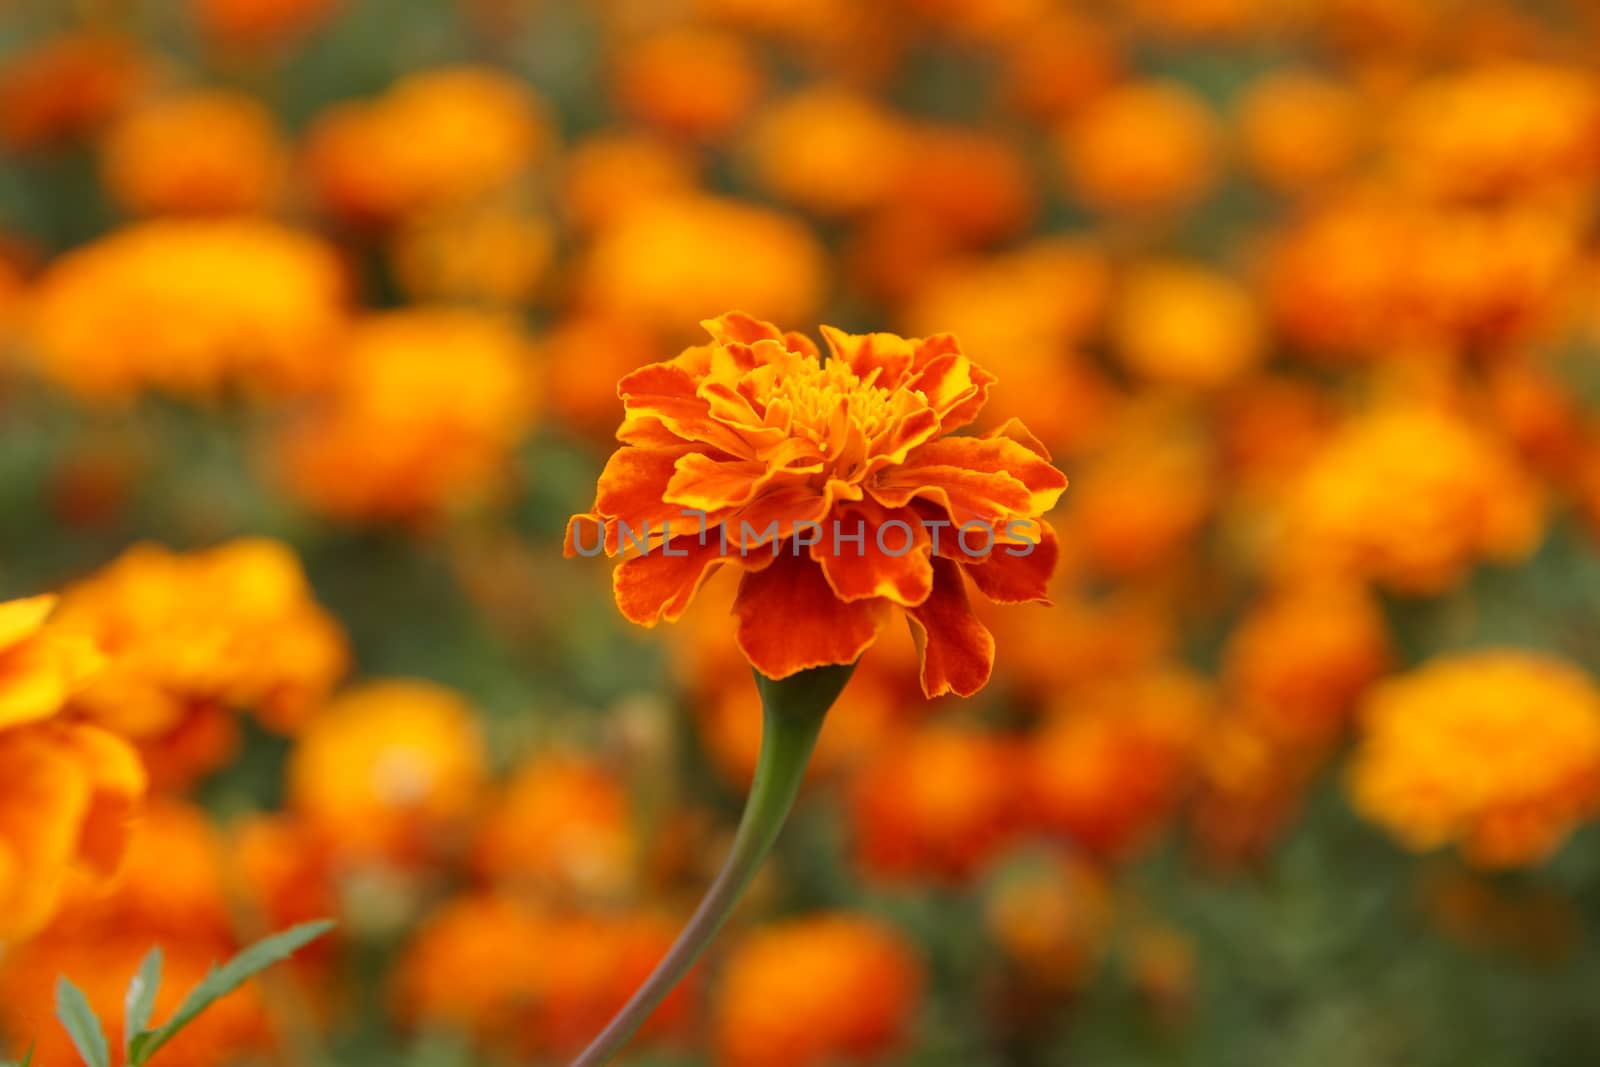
828,399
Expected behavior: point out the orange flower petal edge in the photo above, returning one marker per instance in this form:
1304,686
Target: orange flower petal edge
838,487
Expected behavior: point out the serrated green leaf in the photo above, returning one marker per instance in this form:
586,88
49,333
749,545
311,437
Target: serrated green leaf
220,981
81,1024
141,999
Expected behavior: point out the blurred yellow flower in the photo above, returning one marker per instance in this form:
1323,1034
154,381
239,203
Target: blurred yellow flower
1497,751
190,307
1181,324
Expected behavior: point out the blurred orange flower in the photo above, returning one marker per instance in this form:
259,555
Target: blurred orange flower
191,307
67,789
255,23
690,80
1497,751
390,772
435,139
425,410
67,87
191,639
1180,324
814,991
198,153
759,434
1142,146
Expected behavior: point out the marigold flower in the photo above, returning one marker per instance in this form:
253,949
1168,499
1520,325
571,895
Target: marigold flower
581,359
1140,147
495,255
691,80
1497,751
1112,762
1051,917
761,435
830,150
607,175
434,140
652,266
67,789
388,770
1299,129
561,827
813,991
199,153
426,409
938,804
1412,498
1180,324
192,638
171,893
256,23
530,981
67,87
189,306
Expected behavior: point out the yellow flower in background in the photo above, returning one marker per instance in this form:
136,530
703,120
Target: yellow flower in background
67,789
1496,751
189,307
197,153
425,410
192,639
435,139
1411,498
389,771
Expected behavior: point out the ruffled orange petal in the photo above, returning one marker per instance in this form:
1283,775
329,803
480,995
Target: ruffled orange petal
1006,578
661,584
898,569
955,387
790,620
965,496
957,649
987,456
117,783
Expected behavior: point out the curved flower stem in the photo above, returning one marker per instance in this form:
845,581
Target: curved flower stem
792,710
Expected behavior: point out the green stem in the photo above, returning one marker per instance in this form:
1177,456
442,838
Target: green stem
792,714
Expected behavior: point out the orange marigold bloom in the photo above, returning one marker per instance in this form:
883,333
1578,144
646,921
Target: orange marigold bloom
1142,146
1180,324
495,255
652,266
389,771
254,23
830,150
1302,657
200,153
67,789
189,306
609,174
1113,761
532,982
171,893
435,139
67,87
425,411
1412,498
941,803
562,826
760,434
1497,751
1051,916
193,638
692,80
1299,129
814,991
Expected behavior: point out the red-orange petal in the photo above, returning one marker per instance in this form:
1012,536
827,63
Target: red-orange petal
790,620
859,570
657,586
957,649
1006,578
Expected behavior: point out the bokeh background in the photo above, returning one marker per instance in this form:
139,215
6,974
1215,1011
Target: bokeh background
313,313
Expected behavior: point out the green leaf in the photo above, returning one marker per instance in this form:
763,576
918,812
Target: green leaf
221,981
73,1009
141,999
